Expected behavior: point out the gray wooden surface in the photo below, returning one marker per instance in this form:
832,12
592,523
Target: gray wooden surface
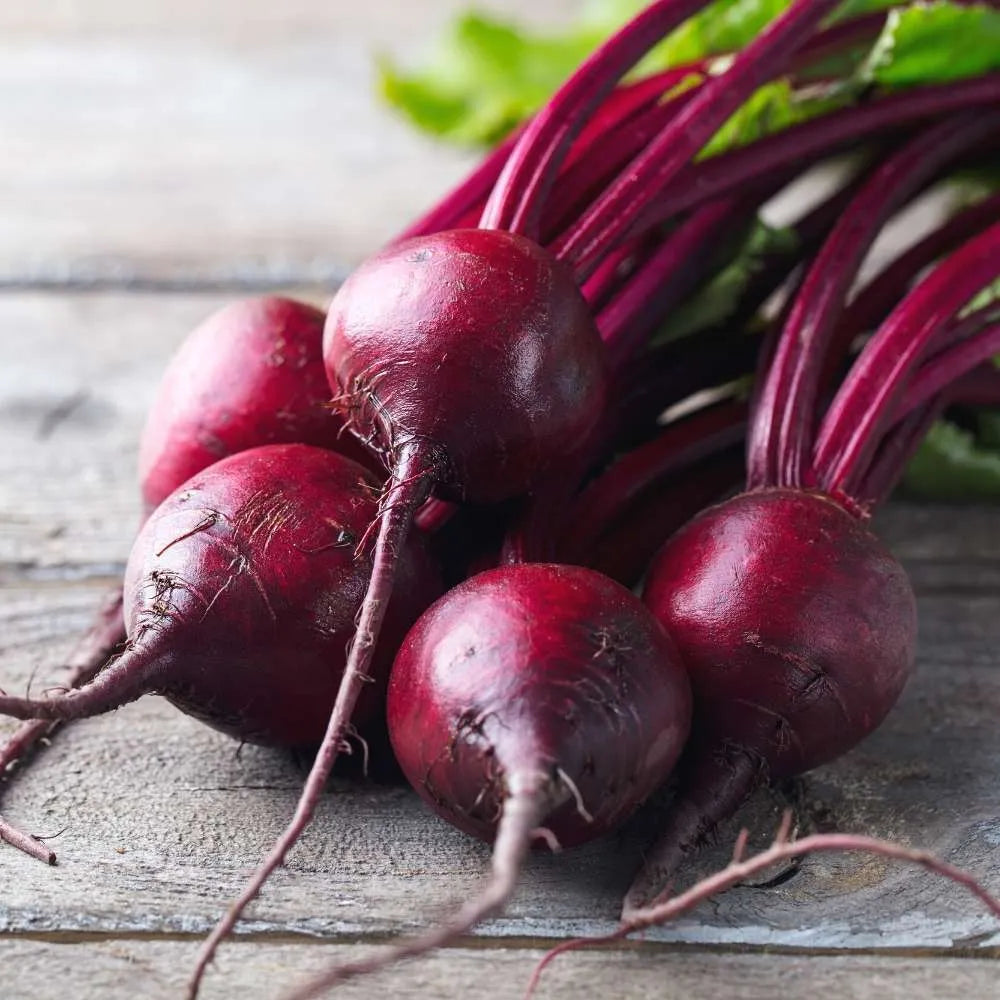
153,159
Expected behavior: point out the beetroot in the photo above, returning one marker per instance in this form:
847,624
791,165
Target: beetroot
468,359
798,630
251,374
797,626
494,321
240,596
535,695
524,671
796,683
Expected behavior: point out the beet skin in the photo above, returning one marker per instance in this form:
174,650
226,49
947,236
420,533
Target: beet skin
252,569
531,668
796,624
251,374
476,346
240,598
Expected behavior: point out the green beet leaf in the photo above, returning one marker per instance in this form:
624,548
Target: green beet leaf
952,464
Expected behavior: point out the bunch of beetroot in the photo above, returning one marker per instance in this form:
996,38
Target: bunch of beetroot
502,407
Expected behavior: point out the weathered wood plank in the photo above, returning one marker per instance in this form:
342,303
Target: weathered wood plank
171,144
246,21
162,821
155,970
167,145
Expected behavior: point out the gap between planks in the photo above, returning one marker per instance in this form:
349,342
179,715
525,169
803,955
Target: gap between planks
511,943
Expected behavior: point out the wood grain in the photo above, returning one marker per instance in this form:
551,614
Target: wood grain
238,145
116,970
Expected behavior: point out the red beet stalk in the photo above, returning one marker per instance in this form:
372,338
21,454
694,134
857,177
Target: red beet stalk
783,426
676,449
527,178
866,400
611,216
803,144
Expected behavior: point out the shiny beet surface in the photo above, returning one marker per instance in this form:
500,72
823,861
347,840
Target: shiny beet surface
537,666
251,374
476,343
250,572
797,626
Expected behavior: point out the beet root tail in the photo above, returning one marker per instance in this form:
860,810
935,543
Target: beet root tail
532,795
105,636
125,680
411,482
715,784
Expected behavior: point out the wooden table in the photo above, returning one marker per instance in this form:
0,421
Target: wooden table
153,163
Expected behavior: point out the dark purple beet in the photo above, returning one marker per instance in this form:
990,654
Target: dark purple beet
537,668
796,624
798,629
249,375
240,598
531,696
474,345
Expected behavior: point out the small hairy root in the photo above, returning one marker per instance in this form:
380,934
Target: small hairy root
531,797
103,638
782,848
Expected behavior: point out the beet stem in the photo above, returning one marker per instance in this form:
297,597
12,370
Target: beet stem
532,795
663,281
876,300
805,143
412,479
899,446
625,549
583,181
612,215
868,397
88,657
678,447
780,441
609,277
516,201
937,384
634,114
950,363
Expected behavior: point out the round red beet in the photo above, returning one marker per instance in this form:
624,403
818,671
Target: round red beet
796,624
241,593
477,345
538,669
251,374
